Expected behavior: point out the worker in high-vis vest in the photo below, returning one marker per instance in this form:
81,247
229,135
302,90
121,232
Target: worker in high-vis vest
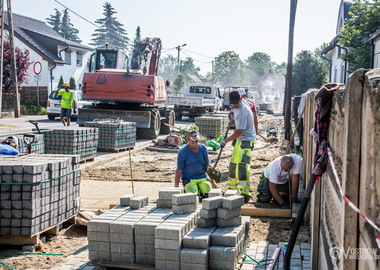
67,103
243,140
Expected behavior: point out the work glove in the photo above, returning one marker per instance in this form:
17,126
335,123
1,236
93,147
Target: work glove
222,143
285,205
75,111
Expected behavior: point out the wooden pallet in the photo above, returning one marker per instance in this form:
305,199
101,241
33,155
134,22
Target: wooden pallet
107,265
20,240
87,160
115,150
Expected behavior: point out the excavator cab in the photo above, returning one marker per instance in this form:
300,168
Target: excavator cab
108,58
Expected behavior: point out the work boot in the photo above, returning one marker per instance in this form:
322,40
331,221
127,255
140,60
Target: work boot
246,197
296,200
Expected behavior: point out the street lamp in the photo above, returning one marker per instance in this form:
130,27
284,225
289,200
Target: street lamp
179,49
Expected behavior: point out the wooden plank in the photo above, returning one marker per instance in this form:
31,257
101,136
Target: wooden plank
122,266
266,212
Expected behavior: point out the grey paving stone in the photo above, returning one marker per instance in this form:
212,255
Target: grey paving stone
208,214
191,255
212,203
233,201
224,213
125,200
228,222
205,223
184,208
138,202
165,231
215,192
184,199
230,192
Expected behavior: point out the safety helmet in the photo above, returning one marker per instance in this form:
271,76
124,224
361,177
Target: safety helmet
66,84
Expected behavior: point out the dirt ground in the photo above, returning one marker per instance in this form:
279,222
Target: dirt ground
107,179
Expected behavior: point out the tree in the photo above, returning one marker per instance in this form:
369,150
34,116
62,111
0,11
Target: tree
61,82
22,65
258,64
111,30
229,69
308,72
179,82
72,83
168,67
138,34
187,67
67,29
55,21
364,21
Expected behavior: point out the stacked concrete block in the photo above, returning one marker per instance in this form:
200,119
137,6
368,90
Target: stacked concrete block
73,141
165,196
215,192
138,202
37,146
168,239
231,192
114,134
212,126
184,203
125,200
229,213
208,213
37,192
229,242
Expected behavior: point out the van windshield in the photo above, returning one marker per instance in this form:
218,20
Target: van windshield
54,96
200,89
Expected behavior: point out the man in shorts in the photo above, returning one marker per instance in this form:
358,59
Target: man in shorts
67,103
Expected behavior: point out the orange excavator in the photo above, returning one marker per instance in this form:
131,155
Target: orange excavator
261,81
132,93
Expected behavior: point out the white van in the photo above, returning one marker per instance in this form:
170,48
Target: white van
54,104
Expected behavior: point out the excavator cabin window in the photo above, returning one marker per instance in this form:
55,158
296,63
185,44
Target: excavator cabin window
106,59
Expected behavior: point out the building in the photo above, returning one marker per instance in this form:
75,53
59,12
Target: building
375,45
51,55
338,67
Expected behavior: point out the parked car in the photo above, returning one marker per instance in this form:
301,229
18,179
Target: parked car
54,104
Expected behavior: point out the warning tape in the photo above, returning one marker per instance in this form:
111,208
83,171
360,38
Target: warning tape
353,206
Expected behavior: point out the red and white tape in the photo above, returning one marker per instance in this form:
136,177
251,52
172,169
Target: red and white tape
353,206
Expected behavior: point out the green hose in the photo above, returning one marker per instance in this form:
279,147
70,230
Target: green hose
1,262
25,253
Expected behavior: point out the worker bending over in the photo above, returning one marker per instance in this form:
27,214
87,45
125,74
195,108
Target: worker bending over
275,180
243,140
192,163
67,103
9,146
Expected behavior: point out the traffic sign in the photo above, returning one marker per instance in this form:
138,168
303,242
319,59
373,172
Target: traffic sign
37,78
37,68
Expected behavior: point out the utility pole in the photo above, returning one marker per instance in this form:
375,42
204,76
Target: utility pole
288,89
1,51
16,100
178,61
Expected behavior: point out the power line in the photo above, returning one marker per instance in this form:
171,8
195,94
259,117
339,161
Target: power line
204,62
207,56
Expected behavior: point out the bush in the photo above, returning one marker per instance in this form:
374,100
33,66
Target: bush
29,107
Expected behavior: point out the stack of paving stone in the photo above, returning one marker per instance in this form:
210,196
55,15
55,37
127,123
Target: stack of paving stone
212,126
37,146
37,192
165,196
81,141
229,213
184,203
168,239
114,134
196,248
208,213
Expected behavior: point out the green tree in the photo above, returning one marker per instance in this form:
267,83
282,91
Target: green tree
364,21
55,21
229,69
188,67
72,83
138,34
258,64
168,68
179,82
67,29
60,82
308,72
111,30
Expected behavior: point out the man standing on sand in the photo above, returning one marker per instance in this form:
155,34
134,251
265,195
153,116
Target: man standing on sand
67,102
244,138
192,163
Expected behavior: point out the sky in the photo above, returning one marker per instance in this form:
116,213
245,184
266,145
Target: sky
207,27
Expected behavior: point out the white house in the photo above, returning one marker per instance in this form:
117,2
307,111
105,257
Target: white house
375,55
52,56
338,68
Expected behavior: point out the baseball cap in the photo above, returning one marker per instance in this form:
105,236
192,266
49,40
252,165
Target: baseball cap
234,97
194,135
241,91
12,139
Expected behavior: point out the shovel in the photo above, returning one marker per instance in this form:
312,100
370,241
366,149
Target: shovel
215,174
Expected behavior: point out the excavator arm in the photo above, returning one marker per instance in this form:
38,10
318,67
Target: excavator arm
146,52
261,81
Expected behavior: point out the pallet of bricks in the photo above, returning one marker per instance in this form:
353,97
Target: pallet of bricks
37,192
175,233
114,134
82,141
37,147
212,126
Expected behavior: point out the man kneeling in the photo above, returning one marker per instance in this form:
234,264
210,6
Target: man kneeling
275,180
192,163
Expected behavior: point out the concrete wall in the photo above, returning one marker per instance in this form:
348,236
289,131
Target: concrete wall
354,136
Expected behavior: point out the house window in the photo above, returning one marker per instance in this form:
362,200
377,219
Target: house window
68,58
79,59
